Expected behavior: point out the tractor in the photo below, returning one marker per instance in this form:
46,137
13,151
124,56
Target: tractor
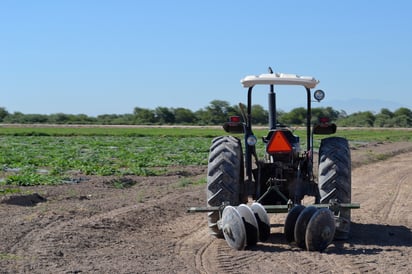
279,180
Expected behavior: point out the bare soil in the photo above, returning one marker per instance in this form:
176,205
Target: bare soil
94,227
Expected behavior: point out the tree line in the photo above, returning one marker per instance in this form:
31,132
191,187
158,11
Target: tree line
216,113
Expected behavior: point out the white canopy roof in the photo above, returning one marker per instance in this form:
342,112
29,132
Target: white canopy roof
279,79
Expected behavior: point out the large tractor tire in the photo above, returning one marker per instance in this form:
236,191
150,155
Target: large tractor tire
335,180
225,178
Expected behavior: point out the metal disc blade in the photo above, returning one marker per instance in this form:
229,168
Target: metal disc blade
233,228
301,224
290,222
320,230
251,225
262,219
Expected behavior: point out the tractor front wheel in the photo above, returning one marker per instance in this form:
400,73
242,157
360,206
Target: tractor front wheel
225,176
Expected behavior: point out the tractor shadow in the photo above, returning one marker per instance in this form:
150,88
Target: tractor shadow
372,239
366,239
276,243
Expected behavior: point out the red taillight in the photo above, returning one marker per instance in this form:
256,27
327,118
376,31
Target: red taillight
324,120
279,143
235,119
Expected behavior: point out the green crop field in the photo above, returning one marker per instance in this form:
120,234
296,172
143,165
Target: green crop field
51,155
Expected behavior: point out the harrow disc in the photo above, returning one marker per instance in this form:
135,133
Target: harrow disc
301,225
290,222
251,225
233,228
320,230
262,219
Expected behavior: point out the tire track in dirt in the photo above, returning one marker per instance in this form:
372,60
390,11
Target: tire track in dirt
61,235
58,225
192,242
233,261
204,253
384,189
41,242
381,238
25,243
394,203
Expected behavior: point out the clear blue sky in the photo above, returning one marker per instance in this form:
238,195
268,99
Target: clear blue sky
101,56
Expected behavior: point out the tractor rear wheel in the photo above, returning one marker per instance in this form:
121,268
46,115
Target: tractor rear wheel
225,177
335,179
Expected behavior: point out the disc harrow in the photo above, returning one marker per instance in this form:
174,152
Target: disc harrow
310,227
244,225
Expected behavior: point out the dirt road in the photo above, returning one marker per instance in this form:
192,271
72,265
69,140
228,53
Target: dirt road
93,227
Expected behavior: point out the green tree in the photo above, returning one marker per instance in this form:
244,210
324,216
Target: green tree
15,117
296,116
35,118
403,112
59,118
401,121
402,117
259,115
164,115
184,116
329,112
106,119
216,113
83,119
144,116
387,112
358,119
3,113
383,119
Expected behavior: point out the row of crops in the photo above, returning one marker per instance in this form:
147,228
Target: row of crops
31,155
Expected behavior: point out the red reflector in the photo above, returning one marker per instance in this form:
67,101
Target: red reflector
278,143
324,120
235,119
